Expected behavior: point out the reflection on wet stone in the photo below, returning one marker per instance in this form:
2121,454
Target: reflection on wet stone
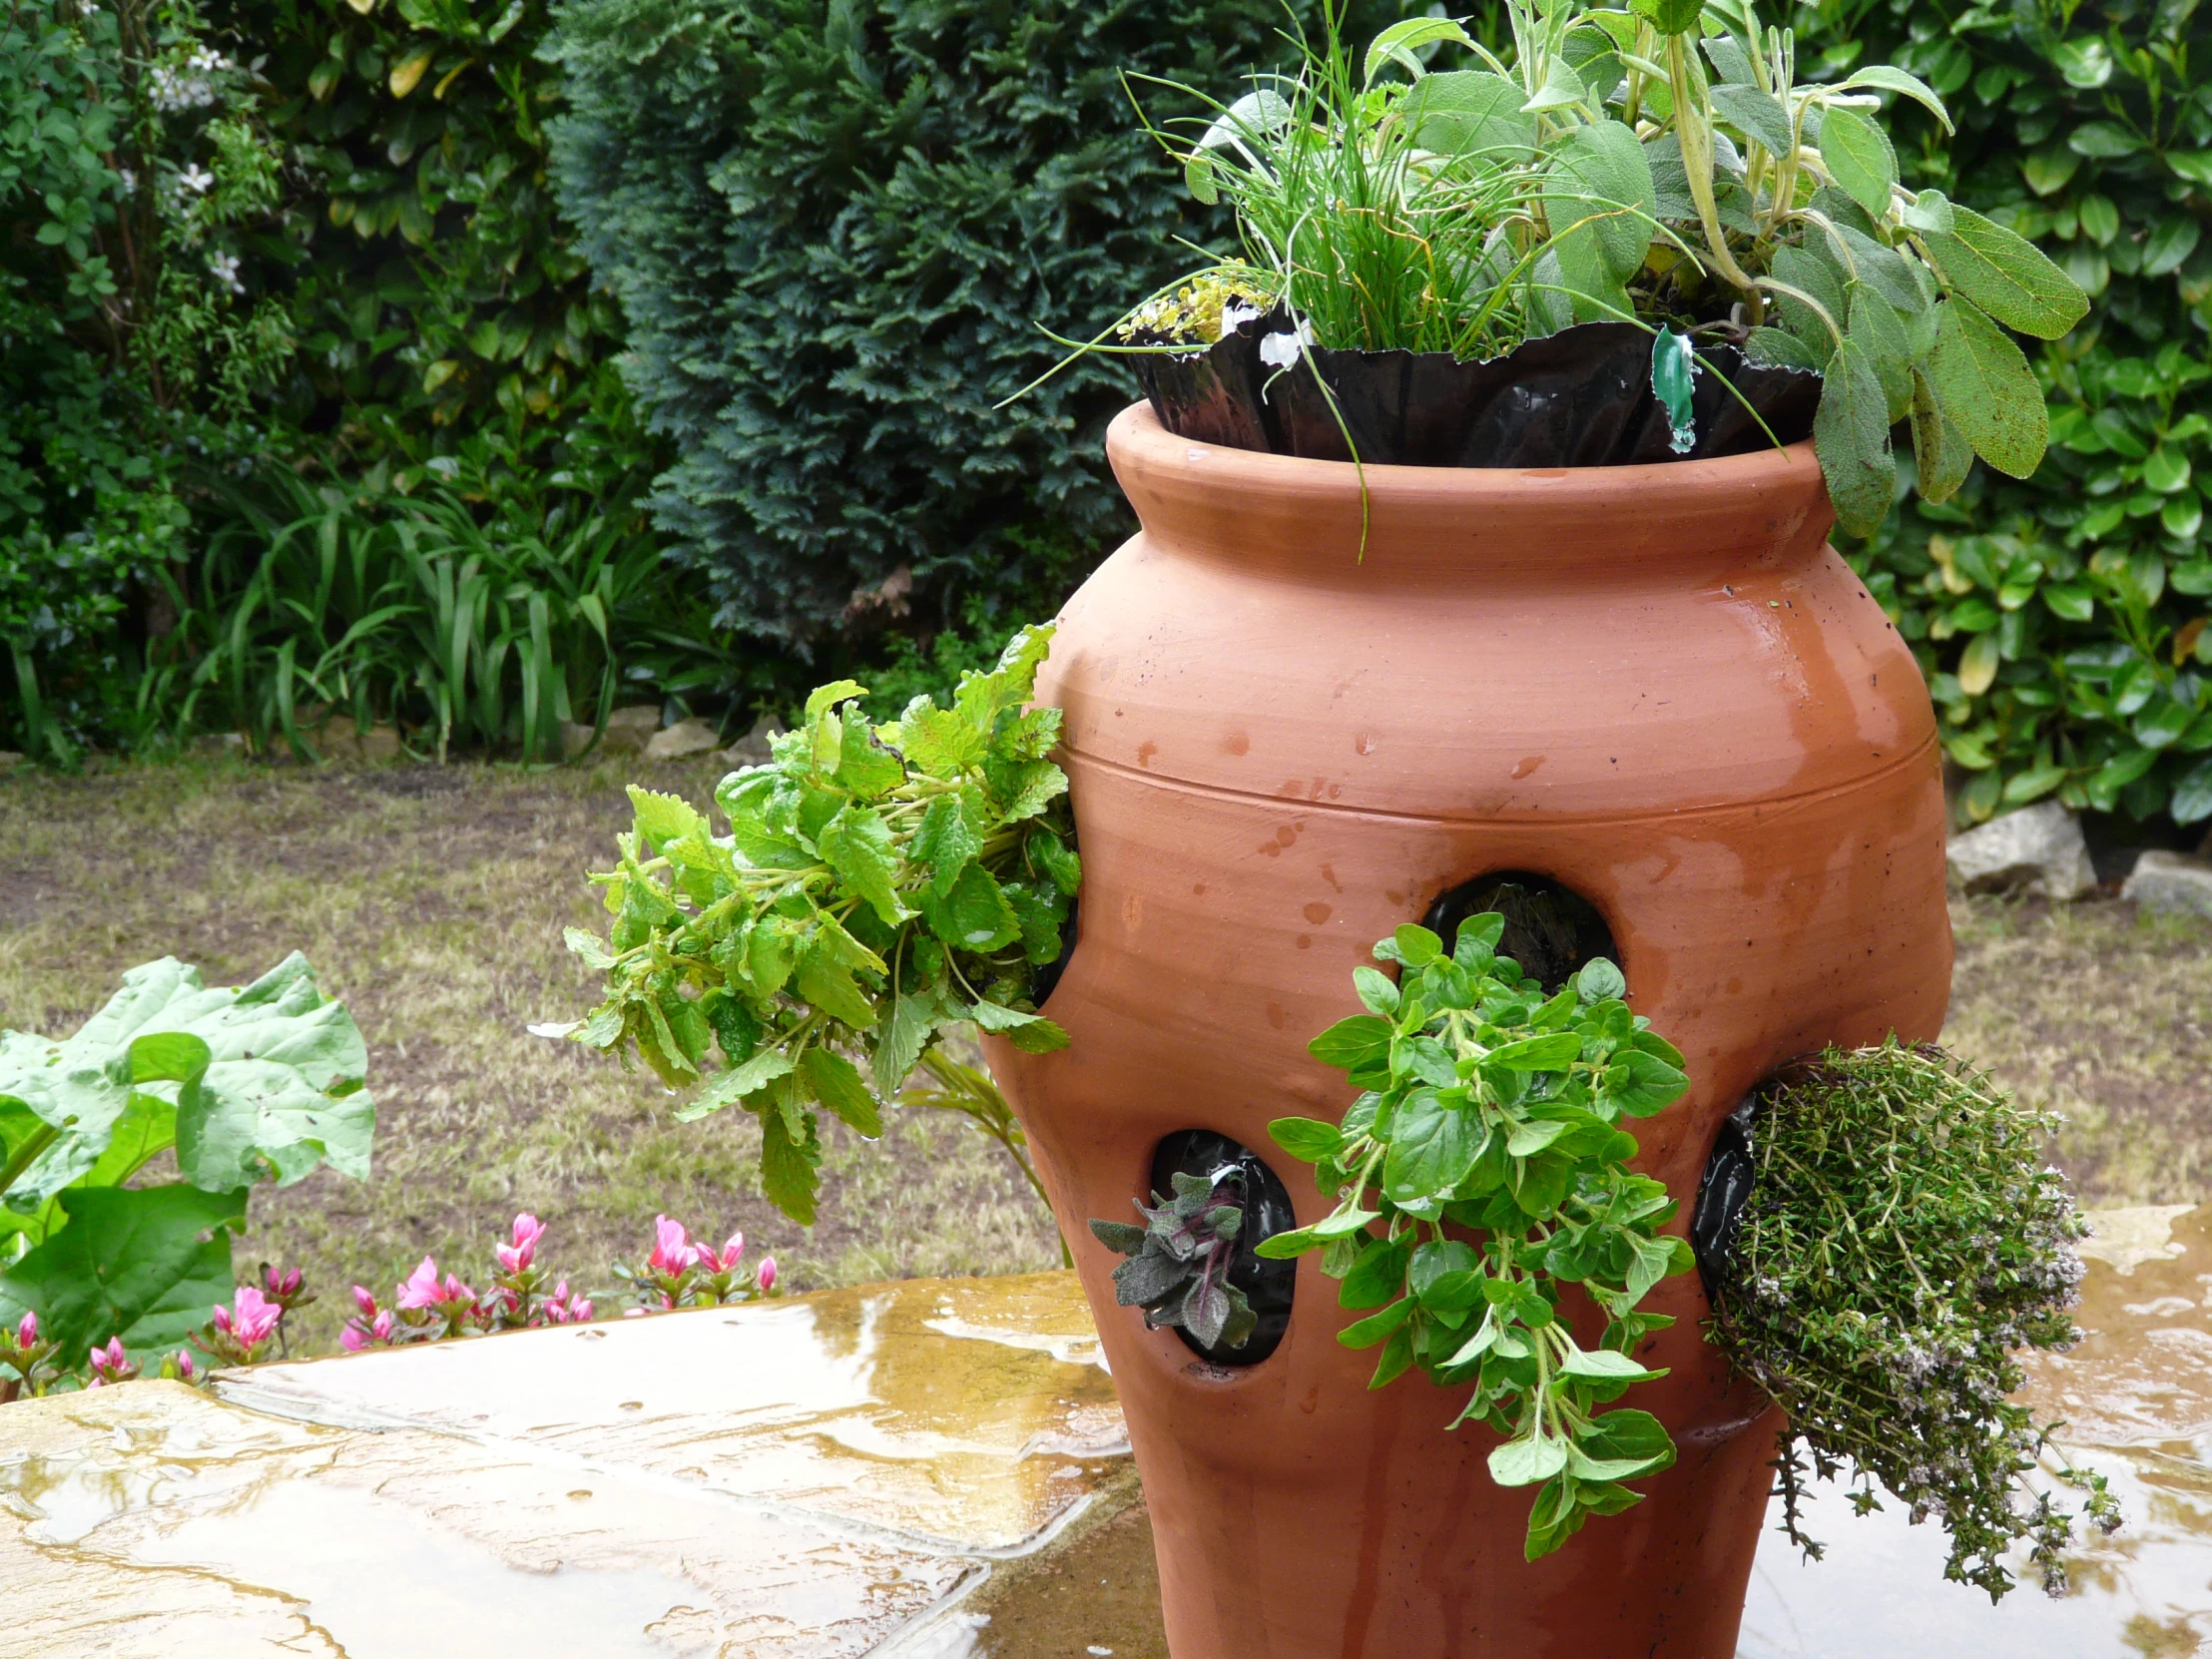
927,1470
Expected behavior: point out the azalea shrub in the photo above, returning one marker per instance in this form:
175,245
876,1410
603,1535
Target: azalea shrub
521,1293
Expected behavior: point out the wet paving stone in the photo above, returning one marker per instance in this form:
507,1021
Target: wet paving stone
930,1469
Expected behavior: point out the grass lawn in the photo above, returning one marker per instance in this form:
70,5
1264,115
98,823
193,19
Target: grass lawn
433,902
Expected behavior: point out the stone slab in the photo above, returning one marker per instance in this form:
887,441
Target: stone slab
810,1477
926,1470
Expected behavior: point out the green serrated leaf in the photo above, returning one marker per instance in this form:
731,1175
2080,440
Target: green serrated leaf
788,1167
834,1081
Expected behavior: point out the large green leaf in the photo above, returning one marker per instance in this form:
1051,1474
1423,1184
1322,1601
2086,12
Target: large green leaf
1874,327
1850,435
1470,113
1860,158
2006,275
1940,453
1598,191
252,1082
1985,384
145,1264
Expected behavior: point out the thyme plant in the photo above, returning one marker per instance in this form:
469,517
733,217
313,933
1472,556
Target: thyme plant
880,887
1493,1108
1903,1240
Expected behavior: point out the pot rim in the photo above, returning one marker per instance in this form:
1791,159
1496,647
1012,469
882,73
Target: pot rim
1256,509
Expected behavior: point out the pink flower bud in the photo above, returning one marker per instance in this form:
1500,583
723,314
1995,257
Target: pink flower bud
766,1277
221,1319
380,1327
352,1339
26,1332
185,1369
365,1301
579,1313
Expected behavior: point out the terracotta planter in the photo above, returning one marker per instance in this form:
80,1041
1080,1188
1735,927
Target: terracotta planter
1655,685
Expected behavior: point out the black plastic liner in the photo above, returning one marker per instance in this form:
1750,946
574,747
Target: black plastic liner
1580,397
1267,1283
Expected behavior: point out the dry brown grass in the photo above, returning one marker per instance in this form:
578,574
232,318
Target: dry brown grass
2106,1017
432,900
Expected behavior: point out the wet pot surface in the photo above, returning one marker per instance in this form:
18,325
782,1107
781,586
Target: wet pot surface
1654,687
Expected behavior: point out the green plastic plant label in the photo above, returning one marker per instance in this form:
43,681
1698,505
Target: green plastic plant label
1673,373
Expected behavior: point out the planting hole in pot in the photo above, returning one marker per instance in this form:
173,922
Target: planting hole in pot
1550,930
1049,973
1722,1193
1240,1176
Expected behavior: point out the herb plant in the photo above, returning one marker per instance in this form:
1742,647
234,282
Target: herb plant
249,1084
1902,1238
1660,165
1178,1267
880,887
1492,1107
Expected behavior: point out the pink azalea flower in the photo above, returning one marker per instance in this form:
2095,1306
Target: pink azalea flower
365,1301
253,1319
284,1282
26,1332
422,1289
353,1338
673,1252
380,1327
517,1257
727,1261
765,1278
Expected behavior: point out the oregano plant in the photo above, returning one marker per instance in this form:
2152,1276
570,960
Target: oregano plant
878,886
1491,1111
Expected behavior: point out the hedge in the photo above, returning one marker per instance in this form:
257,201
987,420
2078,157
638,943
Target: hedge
2062,621
835,226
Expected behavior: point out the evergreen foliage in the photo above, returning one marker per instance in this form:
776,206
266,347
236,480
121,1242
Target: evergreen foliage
833,226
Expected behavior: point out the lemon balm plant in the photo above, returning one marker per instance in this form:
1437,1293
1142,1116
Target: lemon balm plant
1660,165
880,887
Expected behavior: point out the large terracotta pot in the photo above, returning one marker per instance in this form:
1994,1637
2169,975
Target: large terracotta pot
1656,685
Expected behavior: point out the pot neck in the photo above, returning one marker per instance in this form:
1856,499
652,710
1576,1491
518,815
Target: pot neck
1679,523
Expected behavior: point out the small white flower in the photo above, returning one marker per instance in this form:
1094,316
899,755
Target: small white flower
196,179
225,270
